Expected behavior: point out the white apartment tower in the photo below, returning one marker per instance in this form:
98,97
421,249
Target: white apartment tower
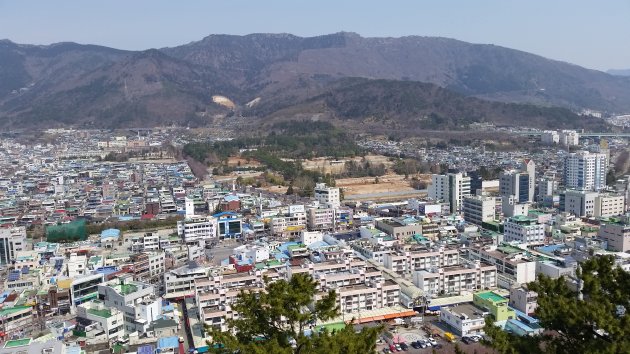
327,195
585,171
452,187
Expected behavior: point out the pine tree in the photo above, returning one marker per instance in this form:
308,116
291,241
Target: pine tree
586,321
275,321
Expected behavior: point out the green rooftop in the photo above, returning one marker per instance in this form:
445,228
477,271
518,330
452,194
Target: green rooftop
509,249
126,289
17,343
100,313
491,296
11,310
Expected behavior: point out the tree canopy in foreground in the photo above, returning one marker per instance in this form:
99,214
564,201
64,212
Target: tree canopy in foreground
274,321
590,322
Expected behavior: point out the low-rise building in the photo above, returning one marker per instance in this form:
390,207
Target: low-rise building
456,280
512,264
138,302
523,300
109,320
617,234
524,229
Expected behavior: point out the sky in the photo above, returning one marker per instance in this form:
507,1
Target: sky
593,34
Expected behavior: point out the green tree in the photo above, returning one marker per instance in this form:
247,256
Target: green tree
576,322
274,321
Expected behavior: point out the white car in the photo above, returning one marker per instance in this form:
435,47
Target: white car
433,342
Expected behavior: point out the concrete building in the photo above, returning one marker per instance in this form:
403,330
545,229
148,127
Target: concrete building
523,229
76,265
519,183
495,304
523,300
511,207
479,209
617,234
408,261
456,280
580,203
452,188
85,288
568,138
607,205
465,319
180,282
137,301
400,228
109,320
550,137
585,171
328,196
197,230
319,219
513,266
12,240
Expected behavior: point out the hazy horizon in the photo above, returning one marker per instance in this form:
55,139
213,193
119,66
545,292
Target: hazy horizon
579,32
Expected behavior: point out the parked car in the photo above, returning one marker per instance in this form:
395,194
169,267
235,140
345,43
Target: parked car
467,340
404,346
392,348
386,351
433,342
398,347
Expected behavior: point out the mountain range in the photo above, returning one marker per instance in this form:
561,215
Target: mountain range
437,82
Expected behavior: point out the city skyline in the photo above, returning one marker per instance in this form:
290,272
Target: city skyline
579,32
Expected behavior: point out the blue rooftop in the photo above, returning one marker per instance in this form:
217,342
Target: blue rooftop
168,342
110,233
146,349
231,198
225,214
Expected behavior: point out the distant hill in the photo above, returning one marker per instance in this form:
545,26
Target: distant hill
619,72
266,74
416,105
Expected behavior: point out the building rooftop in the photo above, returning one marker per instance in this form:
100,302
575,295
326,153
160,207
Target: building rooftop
17,343
492,296
105,313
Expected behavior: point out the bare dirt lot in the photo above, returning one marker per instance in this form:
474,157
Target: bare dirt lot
328,165
386,184
234,161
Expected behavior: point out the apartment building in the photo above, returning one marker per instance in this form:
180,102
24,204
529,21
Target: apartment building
12,241
180,282
523,300
85,288
452,188
420,259
328,196
585,170
320,219
400,228
150,241
513,266
108,320
197,230
456,279
137,301
523,229
479,209
617,234
289,225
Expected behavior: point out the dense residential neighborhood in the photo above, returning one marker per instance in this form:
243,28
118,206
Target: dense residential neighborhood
144,255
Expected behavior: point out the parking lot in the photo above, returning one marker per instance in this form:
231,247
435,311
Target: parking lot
411,334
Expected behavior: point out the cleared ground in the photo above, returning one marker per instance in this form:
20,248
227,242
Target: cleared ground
387,183
328,165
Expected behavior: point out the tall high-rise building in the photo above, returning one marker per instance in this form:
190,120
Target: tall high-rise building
452,187
519,183
585,171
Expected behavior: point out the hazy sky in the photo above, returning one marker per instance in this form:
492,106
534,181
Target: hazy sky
595,34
